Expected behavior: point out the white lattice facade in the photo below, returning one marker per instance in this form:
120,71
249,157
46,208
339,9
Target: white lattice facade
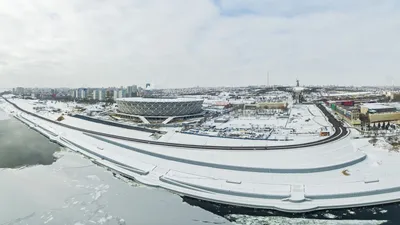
159,107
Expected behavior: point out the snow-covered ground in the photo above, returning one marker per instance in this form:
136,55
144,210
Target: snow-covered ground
343,173
303,125
307,120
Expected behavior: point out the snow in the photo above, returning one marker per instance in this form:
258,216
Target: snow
377,106
248,178
310,130
93,177
50,218
303,125
3,115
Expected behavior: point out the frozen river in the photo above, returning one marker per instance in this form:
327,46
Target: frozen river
42,183
51,185
19,146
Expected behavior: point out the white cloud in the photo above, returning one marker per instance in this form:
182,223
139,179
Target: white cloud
179,43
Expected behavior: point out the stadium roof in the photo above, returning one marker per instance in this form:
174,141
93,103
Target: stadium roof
138,99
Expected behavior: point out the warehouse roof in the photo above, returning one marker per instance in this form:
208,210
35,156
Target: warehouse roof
378,106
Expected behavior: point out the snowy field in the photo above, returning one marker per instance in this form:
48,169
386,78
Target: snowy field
303,125
307,119
248,122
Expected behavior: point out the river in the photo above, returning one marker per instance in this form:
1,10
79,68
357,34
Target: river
42,183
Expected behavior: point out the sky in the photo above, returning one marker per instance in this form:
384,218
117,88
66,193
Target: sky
181,43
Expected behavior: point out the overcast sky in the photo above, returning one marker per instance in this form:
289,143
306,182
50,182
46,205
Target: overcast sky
186,43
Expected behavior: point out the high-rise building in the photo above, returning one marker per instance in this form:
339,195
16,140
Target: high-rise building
76,94
95,94
82,93
121,93
102,95
99,94
131,91
115,94
109,93
90,93
71,93
20,91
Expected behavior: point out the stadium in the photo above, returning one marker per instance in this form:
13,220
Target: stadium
159,108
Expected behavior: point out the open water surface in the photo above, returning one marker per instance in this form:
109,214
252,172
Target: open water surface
42,183
20,146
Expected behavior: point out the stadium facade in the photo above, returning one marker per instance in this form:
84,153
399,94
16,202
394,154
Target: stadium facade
159,107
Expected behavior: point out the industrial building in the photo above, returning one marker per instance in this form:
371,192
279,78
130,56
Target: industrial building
381,112
347,109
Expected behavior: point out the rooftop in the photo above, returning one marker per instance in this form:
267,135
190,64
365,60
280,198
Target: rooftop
378,106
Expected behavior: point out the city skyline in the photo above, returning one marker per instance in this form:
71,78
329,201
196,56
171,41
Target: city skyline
203,43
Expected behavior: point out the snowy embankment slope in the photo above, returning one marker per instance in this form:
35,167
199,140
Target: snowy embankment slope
344,173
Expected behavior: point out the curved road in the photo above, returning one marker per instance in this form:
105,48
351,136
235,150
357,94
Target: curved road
340,131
